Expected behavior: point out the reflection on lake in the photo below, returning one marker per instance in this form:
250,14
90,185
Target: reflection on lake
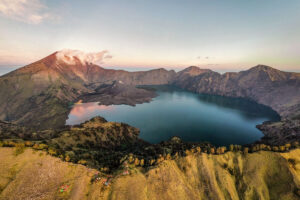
193,117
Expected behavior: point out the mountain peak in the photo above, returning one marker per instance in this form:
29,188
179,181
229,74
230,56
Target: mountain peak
194,71
262,67
73,57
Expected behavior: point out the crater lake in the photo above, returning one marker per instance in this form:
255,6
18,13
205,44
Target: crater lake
190,116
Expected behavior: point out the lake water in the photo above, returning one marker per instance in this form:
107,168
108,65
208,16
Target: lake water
192,117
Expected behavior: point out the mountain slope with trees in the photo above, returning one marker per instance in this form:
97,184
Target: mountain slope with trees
261,175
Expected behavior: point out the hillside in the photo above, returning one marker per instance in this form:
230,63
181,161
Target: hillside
262,175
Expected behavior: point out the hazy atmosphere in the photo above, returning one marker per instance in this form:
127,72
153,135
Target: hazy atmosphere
138,34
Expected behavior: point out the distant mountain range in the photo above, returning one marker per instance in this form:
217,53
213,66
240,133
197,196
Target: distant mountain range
39,95
266,85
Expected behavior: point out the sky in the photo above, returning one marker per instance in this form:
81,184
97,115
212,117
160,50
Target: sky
223,35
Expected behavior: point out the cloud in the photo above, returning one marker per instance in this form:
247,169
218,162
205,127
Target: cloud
108,57
28,11
203,57
70,56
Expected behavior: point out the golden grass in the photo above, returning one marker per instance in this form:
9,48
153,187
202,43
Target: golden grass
262,175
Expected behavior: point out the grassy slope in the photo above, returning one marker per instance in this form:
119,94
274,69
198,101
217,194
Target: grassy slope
263,175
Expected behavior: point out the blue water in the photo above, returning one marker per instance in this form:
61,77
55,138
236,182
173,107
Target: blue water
192,117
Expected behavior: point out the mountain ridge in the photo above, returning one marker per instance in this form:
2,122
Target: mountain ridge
40,94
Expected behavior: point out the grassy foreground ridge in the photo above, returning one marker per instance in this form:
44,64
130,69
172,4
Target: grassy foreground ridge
233,175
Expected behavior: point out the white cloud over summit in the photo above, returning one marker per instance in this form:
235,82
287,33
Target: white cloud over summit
28,11
70,56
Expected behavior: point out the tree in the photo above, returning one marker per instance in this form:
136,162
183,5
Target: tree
246,150
187,152
198,149
237,147
176,155
35,146
253,148
11,144
275,148
221,150
52,151
218,151
136,161
20,147
212,150
130,158
268,148
142,162
67,158
40,146
28,144
224,149
231,147
295,144
287,146
262,146
152,161
168,157
82,162
282,148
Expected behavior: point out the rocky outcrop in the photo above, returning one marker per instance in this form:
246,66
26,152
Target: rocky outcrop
281,132
97,133
117,93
